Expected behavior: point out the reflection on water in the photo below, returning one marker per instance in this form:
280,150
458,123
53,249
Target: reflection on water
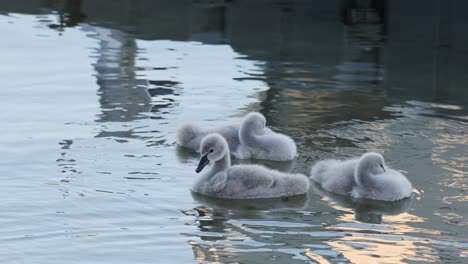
364,210
90,154
296,202
122,95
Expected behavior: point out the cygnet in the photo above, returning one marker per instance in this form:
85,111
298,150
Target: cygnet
241,181
364,177
249,139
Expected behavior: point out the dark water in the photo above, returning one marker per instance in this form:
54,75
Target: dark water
92,92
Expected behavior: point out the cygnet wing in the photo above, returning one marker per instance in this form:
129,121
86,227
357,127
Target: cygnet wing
335,175
392,180
249,177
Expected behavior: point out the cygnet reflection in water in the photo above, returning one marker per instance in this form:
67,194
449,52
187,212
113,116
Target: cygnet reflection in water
364,177
292,202
241,181
248,139
366,210
184,155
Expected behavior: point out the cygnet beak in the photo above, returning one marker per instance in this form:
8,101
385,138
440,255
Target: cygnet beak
203,162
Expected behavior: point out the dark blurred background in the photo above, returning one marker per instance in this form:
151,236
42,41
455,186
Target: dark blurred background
421,45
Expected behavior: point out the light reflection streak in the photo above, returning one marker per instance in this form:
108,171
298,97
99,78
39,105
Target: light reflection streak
315,257
448,153
387,242
381,250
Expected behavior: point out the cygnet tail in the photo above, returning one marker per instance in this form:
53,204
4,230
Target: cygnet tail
298,184
189,135
317,170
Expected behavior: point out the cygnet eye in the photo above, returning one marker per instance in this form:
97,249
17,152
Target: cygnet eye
211,150
381,165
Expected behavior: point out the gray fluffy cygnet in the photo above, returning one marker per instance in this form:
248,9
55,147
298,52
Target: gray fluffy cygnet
248,139
241,181
364,177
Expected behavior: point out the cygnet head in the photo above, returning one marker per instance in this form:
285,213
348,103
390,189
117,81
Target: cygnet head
212,148
372,162
255,121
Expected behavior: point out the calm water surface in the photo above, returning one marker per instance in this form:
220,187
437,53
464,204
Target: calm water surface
91,94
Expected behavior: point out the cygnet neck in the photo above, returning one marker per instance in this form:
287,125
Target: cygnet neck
217,166
223,163
248,133
363,175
